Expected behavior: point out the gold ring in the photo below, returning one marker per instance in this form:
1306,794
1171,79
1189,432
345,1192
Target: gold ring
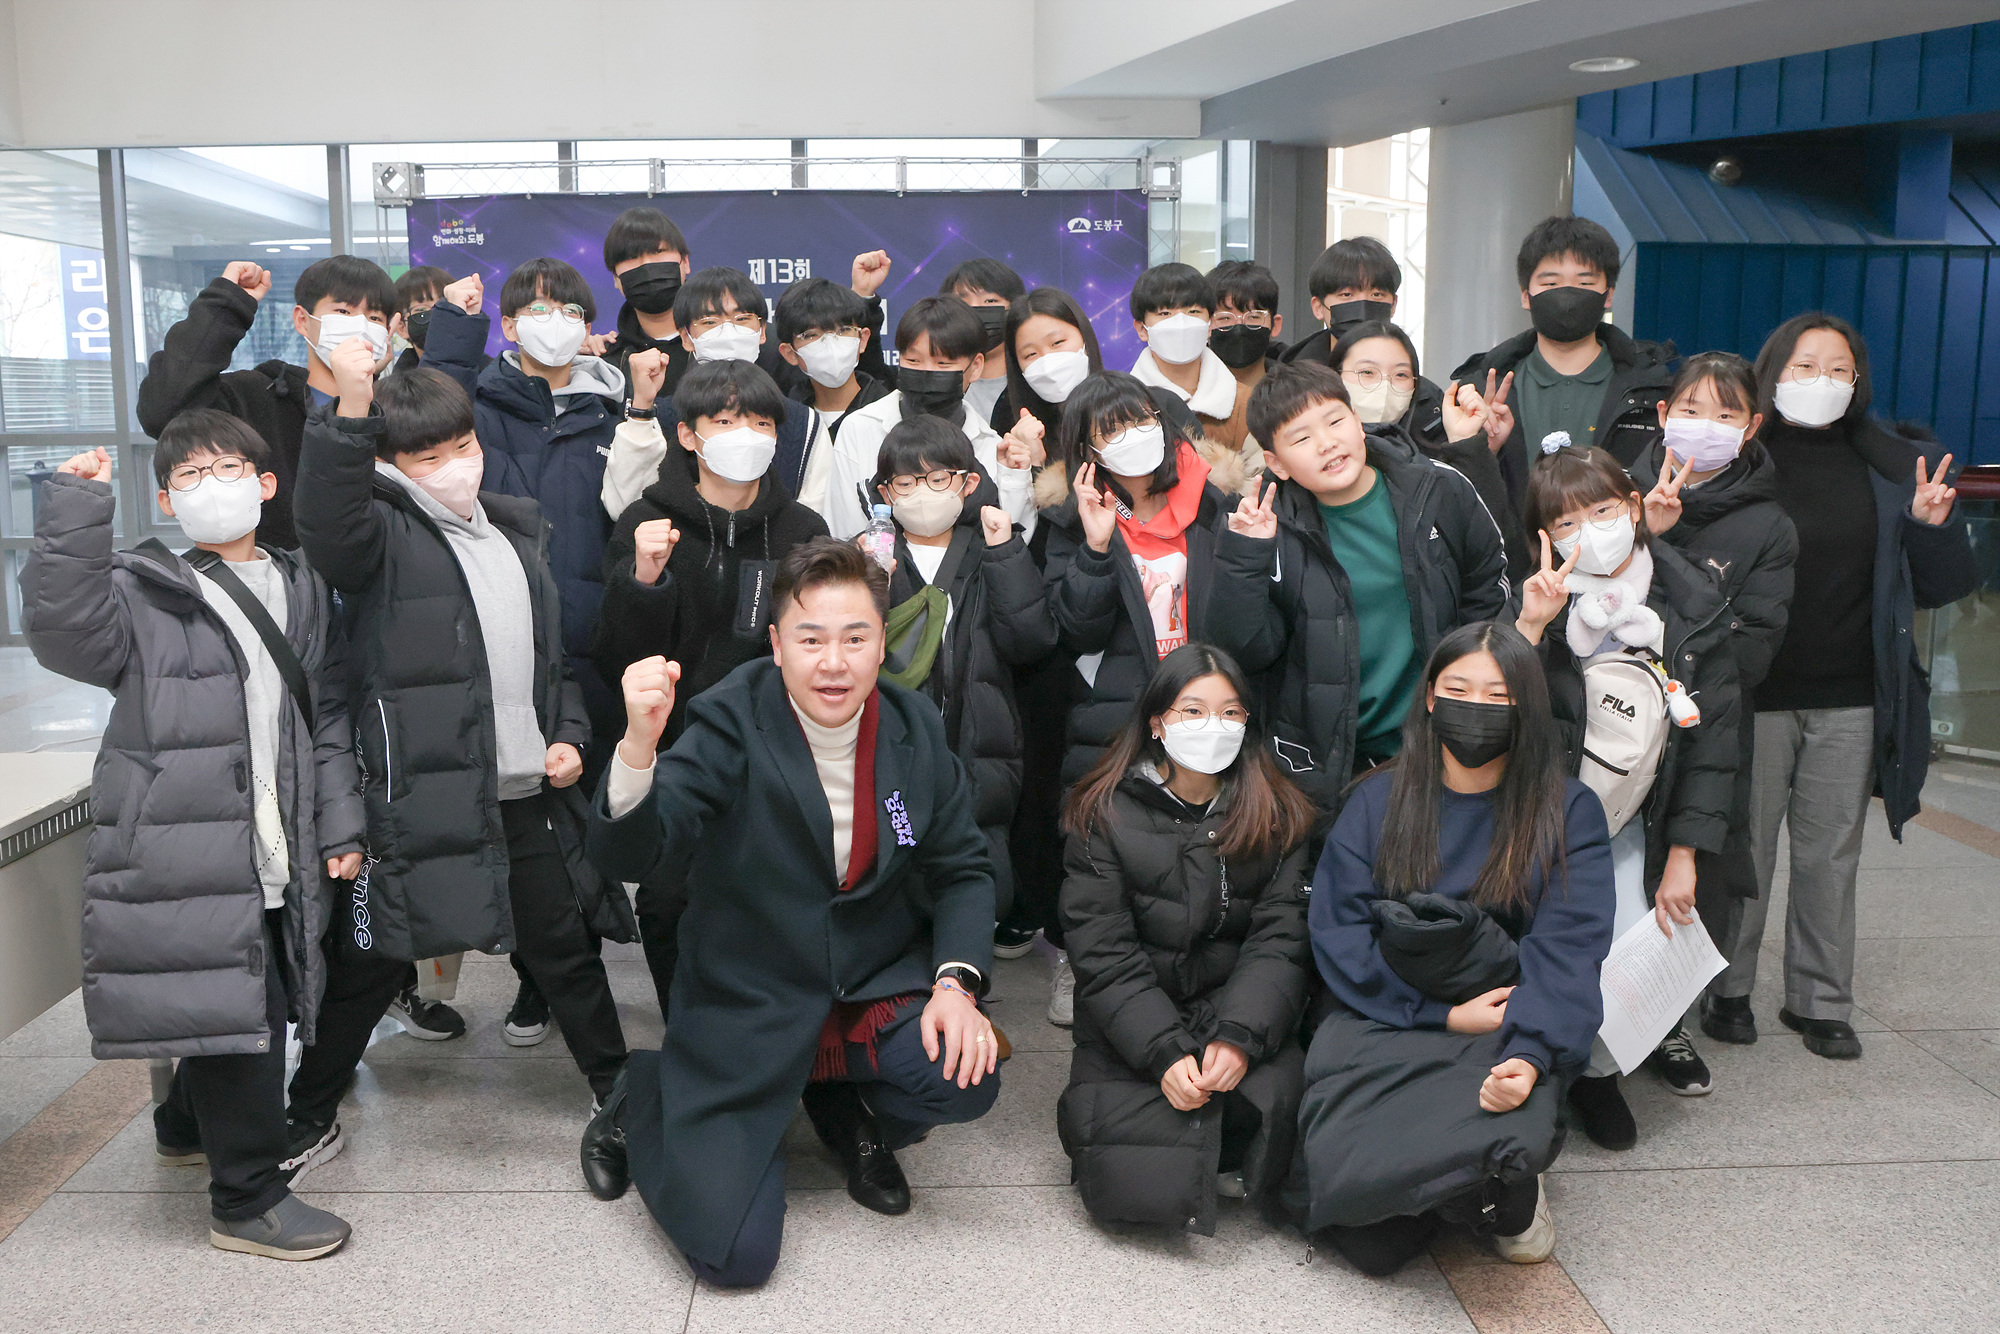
980,1038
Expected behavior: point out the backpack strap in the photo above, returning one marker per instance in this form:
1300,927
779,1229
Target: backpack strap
275,643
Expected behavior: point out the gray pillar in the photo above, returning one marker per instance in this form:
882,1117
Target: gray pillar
799,178
124,365
1288,223
339,201
1491,181
566,166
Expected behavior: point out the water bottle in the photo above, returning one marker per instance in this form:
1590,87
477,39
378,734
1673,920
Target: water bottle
878,539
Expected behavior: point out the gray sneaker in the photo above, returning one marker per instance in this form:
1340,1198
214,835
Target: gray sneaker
291,1229
1062,992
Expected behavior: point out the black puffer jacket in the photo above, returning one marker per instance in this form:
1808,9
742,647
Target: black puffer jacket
1299,628
1692,795
173,917
421,697
711,609
1733,529
999,621
1175,947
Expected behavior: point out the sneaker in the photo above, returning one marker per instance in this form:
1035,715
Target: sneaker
176,1155
291,1229
1728,1019
1677,1062
528,1021
1601,1108
426,1021
1231,1186
1011,942
1830,1038
313,1144
1538,1243
1062,992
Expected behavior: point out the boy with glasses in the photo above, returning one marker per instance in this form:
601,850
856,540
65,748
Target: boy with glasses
1244,330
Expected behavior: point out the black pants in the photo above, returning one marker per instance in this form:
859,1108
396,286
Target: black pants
1044,694
552,943
659,905
1380,1249
360,983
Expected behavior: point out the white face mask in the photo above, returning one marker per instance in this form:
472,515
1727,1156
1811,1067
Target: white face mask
1178,339
1379,402
335,329
1054,374
1137,452
550,339
740,455
1819,403
928,513
829,359
1605,545
728,342
1207,747
219,511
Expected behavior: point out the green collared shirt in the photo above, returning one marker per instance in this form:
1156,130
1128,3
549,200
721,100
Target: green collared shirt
1550,401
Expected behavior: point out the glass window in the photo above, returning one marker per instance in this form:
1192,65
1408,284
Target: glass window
917,175
382,233
692,164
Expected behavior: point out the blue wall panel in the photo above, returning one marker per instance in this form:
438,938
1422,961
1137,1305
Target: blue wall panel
1931,315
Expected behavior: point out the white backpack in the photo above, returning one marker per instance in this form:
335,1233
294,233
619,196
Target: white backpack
1624,732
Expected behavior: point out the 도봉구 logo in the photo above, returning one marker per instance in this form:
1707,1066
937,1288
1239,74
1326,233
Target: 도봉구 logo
1079,226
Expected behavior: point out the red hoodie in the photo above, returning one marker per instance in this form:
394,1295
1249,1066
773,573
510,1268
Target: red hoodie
1159,550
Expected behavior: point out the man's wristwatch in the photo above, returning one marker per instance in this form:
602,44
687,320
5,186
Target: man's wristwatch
638,414
974,984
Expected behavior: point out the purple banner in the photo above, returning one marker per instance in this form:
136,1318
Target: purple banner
1090,243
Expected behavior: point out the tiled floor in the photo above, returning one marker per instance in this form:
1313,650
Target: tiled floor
1800,1195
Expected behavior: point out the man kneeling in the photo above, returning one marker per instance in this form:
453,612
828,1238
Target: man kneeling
838,933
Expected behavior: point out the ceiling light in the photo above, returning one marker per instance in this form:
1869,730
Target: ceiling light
1604,65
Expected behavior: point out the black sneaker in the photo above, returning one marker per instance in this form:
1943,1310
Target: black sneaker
313,1144
427,1021
1728,1019
1601,1108
528,1021
1830,1038
1677,1062
1011,942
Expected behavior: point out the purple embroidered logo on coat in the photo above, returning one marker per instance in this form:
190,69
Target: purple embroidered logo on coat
899,819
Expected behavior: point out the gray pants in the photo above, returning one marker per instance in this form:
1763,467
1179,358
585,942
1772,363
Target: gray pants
1814,772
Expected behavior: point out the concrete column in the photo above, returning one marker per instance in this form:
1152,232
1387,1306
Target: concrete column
1288,223
1491,181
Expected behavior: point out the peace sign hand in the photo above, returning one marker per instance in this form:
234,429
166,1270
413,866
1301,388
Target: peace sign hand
1663,502
1499,417
1934,499
1545,593
1256,516
1093,507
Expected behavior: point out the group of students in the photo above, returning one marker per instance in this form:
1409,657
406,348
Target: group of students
1327,723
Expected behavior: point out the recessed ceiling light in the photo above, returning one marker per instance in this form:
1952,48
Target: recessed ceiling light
1604,65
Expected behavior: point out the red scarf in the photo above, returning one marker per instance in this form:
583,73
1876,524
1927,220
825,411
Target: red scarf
857,1022
1159,550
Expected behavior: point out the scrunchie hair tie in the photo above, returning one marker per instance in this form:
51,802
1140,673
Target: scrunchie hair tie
1555,441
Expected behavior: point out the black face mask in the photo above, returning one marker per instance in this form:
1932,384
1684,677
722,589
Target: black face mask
934,392
1347,314
1566,314
651,288
417,327
1476,733
993,319
1240,345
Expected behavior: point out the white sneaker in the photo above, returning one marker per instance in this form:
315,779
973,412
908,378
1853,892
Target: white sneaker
1062,992
1231,1186
1538,1243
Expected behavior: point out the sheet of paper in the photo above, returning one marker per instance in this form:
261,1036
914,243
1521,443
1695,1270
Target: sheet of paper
1649,981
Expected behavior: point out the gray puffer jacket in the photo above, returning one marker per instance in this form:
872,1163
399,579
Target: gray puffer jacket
173,912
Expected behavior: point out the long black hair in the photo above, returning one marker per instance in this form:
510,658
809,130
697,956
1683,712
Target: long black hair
1777,353
1057,305
1528,806
1266,812
1104,404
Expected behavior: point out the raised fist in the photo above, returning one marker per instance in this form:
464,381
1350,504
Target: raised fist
252,278
653,542
353,367
93,465
871,270
997,524
466,294
648,370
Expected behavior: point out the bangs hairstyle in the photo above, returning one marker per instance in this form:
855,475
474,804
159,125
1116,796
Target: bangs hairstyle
983,274
823,560
702,295
1574,478
641,231
426,282
817,304
1729,378
1267,815
1529,812
421,408
1372,329
207,431
922,444
1165,286
1244,284
953,330
1060,306
712,387
1359,261
551,280
1104,404
350,280
1287,390
1784,340
1567,235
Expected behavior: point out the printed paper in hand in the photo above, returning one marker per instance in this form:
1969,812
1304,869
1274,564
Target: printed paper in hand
1649,981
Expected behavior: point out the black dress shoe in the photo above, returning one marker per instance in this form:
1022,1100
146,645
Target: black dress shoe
1824,1037
1602,1110
605,1168
845,1125
1728,1019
